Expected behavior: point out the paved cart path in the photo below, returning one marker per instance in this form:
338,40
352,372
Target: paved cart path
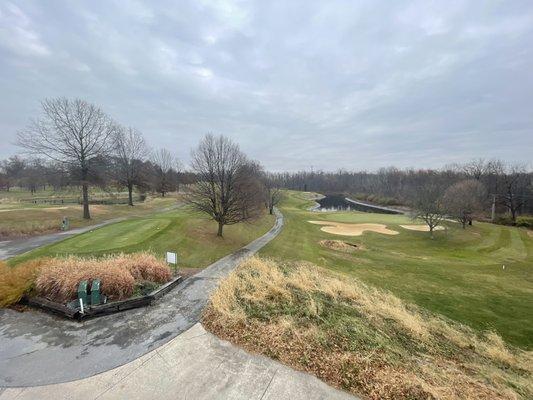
39,349
11,248
193,365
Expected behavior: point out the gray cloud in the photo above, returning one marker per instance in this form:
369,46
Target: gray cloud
333,84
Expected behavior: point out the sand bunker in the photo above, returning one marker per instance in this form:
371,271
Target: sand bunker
339,245
421,228
339,228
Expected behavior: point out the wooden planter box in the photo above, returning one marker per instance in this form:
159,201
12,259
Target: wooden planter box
102,309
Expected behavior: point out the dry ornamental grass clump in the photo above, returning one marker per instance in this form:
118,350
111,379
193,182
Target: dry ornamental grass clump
143,266
59,278
16,281
362,339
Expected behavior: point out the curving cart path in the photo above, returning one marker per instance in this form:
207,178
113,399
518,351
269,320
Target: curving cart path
40,349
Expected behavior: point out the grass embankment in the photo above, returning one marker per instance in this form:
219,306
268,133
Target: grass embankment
362,339
458,274
23,219
190,235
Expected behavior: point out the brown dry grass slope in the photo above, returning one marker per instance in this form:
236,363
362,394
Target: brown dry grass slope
362,339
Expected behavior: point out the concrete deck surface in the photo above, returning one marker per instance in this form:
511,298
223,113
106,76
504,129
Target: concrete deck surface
193,365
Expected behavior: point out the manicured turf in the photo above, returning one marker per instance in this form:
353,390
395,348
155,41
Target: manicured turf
19,219
191,235
459,274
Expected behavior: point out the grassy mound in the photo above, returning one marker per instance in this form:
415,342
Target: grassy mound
362,339
339,245
58,278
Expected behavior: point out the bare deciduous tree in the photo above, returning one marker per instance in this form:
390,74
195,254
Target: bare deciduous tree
178,168
476,169
428,206
464,198
130,151
220,191
73,132
514,181
273,195
13,169
163,163
250,189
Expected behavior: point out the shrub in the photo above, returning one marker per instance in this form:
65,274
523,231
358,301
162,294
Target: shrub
143,267
118,274
504,220
525,221
59,278
16,281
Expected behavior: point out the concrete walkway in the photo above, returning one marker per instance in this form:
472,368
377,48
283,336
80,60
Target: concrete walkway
194,365
37,348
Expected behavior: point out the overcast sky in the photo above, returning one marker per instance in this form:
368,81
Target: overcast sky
327,84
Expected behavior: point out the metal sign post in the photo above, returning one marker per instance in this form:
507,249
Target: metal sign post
172,259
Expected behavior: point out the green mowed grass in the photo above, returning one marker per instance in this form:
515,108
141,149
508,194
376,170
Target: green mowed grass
459,274
22,219
189,234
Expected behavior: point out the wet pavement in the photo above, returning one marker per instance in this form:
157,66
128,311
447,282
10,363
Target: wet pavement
38,348
193,365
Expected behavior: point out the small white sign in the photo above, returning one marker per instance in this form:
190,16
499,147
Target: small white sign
172,258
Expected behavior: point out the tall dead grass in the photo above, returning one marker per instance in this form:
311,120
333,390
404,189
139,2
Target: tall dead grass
360,338
22,229
16,281
59,277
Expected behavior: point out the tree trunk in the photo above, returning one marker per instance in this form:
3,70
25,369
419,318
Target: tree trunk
85,192
271,210
431,231
130,195
220,227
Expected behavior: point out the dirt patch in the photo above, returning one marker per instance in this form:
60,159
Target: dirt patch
340,228
530,233
339,245
421,228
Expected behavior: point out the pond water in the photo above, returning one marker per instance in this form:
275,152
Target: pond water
338,202
334,202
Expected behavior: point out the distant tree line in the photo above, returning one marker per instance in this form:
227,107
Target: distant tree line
509,186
